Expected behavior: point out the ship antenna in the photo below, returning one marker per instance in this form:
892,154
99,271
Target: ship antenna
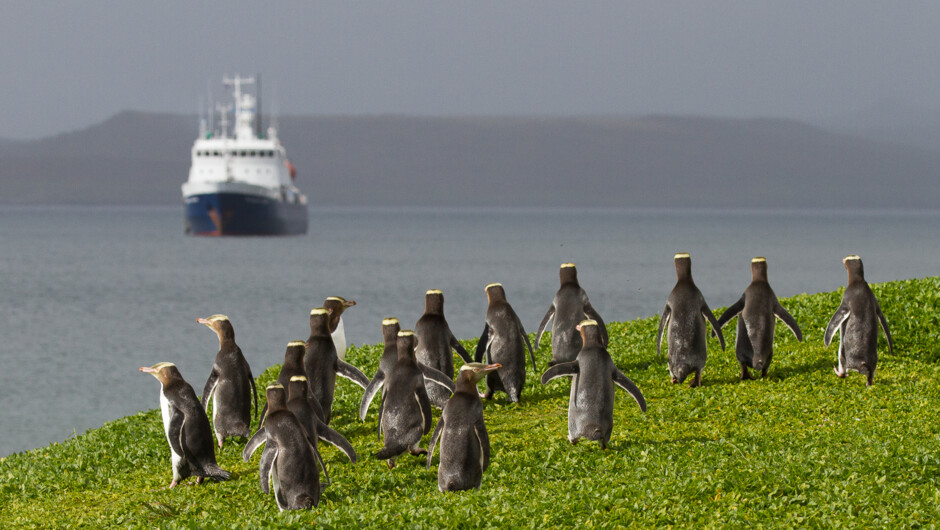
258,107
211,107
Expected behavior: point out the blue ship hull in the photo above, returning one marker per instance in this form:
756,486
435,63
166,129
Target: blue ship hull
237,214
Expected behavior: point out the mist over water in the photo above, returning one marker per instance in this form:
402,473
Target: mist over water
88,295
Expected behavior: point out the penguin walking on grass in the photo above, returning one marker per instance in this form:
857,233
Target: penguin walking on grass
406,408
290,461
390,329
434,344
294,366
321,365
230,386
594,377
570,306
504,342
186,426
857,319
465,445
336,305
299,405
685,313
757,309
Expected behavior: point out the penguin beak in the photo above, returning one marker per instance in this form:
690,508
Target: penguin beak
350,303
204,321
147,369
491,368
578,327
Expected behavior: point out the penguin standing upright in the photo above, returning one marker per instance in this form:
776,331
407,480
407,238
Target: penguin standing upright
591,403
685,312
299,405
406,409
294,366
570,306
390,329
336,305
857,319
504,342
321,365
230,385
290,458
465,445
757,307
435,342
186,427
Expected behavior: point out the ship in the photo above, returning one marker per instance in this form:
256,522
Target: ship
241,183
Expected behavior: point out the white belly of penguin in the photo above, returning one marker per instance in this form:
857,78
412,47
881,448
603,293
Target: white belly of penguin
165,410
339,340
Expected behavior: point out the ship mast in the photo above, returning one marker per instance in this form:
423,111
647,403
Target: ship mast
244,107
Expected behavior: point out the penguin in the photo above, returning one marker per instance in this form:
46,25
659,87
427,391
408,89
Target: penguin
186,427
435,341
591,402
406,409
321,365
294,366
503,341
290,458
230,385
570,306
336,305
465,445
757,307
686,311
856,320
299,405
390,329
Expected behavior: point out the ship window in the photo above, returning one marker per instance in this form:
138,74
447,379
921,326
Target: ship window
244,153
216,153
253,153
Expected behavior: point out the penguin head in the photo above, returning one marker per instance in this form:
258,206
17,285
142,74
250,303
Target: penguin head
319,321
759,269
567,273
390,329
495,293
406,344
297,387
434,302
221,325
164,372
475,372
853,265
589,331
295,352
336,305
277,397
683,265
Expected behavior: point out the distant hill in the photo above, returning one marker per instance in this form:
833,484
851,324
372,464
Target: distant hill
891,121
652,161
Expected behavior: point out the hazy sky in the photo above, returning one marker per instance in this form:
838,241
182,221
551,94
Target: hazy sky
68,65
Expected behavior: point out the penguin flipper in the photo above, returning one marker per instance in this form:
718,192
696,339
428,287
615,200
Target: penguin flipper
568,369
667,313
840,316
318,458
732,311
480,429
271,476
374,386
436,376
525,337
175,431
482,343
627,384
254,391
352,373
594,315
331,436
884,326
264,413
433,443
711,318
548,316
378,427
788,319
425,405
254,443
458,347
210,387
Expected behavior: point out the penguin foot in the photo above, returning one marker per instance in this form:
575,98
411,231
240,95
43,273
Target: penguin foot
573,442
697,381
391,464
419,452
838,373
745,374
675,379
199,480
763,373
172,485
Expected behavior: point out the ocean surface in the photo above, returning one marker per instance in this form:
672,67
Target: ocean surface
89,295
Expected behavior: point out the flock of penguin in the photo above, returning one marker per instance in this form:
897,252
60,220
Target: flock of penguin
416,371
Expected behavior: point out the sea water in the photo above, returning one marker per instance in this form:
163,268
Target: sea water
89,295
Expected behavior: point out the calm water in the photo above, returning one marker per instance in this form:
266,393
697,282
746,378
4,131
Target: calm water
88,295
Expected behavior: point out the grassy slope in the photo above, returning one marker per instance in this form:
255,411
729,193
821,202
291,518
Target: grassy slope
801,447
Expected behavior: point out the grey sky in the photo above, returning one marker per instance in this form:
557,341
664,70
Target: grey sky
67,65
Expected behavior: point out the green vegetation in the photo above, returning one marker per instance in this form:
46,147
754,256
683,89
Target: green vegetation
798,448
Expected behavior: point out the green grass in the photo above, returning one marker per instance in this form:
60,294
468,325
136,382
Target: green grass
798,448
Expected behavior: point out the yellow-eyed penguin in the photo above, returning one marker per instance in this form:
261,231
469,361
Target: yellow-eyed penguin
570,306
857,319
186,427
504,342
685,313
321,365
591,402
294,366
230,385
336,305
757,309
390,329
434,344
465,445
